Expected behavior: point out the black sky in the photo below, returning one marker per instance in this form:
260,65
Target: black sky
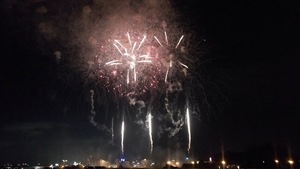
251,65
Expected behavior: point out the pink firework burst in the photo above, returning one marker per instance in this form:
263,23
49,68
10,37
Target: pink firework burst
132,66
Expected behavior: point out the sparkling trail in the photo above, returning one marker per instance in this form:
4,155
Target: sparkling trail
121,46
179,41
133,49
118,49
129,38
145,56
150,131
134,73
183,65
122,137
158,41
113,62
141,42
189,127
166,77
144,61
166,38
127,78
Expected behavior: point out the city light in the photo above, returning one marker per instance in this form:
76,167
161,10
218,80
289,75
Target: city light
290,162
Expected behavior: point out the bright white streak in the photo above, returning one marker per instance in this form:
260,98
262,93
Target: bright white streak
189,127
145,61
127,76
122,137
121,46
150,131
115,64
118,49
111,62
158,41
166,38
179,41
145,56
142,42
166,77
134,74
129,38
183,65
133,48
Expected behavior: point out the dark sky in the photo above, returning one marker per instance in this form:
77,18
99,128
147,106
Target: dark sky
249,66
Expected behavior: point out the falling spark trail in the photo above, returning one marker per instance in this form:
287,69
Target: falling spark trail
129,38
158,41
134,73
150,131
166,76
189,127
141,42
121,46
166,38
122,137
133,49
145,56
118,49
179,41
127,78
113,62
183,65
145,61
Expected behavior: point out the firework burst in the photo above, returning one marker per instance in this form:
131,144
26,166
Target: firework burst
130,65
130,58
135,68
169,54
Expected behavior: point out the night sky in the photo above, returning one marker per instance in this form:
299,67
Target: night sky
249,66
